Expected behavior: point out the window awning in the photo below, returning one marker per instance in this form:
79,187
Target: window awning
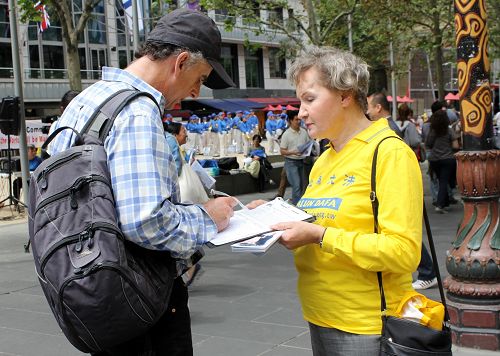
235,104
220,104
276,101
247,103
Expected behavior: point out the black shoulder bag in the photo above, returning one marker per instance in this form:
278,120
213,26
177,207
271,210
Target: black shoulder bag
402,337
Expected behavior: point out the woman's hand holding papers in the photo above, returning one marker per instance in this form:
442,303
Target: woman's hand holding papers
220,210
299,233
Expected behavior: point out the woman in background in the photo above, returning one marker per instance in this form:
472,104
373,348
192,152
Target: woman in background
442,142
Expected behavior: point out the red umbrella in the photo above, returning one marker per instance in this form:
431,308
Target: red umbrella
389,98
269,107
406,99
290,107
278,107
399,99
451,96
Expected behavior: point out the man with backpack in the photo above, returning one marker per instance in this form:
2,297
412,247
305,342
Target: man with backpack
180,54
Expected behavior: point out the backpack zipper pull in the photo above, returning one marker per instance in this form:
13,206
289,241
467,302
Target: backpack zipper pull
79,244
72,194
72,199
43,180
90,244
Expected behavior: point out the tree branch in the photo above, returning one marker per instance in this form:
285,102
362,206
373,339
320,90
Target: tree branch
334,21
88,6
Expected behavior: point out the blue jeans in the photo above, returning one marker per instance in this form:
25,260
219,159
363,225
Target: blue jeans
425,268
445,170
334,342
295,175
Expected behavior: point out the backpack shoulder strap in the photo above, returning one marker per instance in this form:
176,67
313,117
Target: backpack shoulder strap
102,120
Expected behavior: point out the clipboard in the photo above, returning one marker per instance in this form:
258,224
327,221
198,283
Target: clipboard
248,223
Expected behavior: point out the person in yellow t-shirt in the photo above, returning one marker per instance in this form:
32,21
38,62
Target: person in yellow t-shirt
337,257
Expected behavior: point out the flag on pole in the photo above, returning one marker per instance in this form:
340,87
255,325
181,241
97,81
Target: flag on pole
45,21
127,6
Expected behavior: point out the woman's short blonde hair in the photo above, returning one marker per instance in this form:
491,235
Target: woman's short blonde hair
340,70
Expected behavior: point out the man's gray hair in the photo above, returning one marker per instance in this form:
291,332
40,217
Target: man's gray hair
340,70
159,51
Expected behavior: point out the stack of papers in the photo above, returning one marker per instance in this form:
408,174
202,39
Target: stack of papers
247,223
306,148
259,244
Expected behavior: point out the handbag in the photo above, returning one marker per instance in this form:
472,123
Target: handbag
402,337
190,186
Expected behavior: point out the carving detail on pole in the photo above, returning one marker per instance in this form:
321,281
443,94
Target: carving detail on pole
474,257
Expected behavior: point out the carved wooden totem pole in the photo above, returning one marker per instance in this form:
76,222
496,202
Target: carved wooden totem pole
474,259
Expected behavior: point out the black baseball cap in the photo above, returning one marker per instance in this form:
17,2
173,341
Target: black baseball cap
195,31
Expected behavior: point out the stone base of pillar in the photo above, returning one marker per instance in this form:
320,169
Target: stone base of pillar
475,326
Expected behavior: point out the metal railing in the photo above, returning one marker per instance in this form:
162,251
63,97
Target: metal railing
49,73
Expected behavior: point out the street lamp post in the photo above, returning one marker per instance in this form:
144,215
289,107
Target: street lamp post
473,261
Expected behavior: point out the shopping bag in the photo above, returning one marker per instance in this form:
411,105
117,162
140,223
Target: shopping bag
191,188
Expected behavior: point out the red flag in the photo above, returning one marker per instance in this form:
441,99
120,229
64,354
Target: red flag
45,22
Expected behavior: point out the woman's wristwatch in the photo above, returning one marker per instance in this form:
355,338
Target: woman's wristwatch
320,243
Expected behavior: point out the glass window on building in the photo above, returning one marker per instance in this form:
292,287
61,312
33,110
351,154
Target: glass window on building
53,62
275,17
53,33
5,60
254,19
96,28
98,60
229,60
291,24
253,68
123,35
277,63
5,49
34,70
4,20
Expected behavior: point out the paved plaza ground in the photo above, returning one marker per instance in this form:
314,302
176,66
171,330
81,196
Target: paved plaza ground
243,305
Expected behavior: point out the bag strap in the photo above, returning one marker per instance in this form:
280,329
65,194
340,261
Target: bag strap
375,203
56,132
101,122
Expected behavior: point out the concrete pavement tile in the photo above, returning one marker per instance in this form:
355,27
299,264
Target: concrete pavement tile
302,341
283,316
270,297
25,302
14,285
223,346
35,290
26,343
249,331
203,310
29,321
283,350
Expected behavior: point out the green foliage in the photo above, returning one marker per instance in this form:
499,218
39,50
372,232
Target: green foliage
28,12
493,11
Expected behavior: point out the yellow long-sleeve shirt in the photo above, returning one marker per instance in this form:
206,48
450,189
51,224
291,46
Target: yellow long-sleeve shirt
338,283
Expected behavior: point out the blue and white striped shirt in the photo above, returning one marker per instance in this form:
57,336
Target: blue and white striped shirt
143,172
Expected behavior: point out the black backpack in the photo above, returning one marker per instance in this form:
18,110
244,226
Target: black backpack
102,289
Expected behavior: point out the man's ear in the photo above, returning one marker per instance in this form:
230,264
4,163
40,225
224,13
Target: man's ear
180,62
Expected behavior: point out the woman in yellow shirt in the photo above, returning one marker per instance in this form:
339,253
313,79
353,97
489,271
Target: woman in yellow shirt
337,257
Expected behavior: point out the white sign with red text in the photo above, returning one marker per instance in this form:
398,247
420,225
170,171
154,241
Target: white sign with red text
34,135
